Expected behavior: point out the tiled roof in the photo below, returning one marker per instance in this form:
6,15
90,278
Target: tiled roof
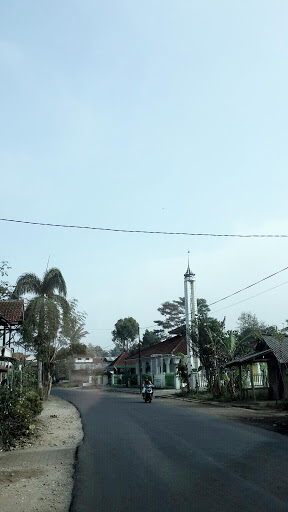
12,311
181,330
120,360
170,346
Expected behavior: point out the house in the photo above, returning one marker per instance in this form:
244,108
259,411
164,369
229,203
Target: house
121,369
160,361
11,317
88,370
270,356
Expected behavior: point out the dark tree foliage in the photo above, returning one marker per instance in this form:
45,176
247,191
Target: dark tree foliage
174,313
5,287
151,338
125,332
249,330
73,325
209,340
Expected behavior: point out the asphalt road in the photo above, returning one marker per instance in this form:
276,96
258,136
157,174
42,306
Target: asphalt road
163,457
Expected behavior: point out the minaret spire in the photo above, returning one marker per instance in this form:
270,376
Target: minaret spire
188,271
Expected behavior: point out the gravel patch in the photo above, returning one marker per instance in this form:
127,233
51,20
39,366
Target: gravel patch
38,474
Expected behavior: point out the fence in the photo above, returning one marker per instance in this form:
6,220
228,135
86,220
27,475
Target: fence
260,380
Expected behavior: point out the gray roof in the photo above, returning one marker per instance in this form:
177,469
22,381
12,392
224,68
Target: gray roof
278,346
253,357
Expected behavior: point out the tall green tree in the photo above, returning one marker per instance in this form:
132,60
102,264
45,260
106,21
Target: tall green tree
43,318
174,313
249,329
150,338
125,332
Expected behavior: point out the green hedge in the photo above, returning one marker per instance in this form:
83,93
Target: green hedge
169,380
17,412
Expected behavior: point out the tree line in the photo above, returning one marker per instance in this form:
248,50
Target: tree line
212,342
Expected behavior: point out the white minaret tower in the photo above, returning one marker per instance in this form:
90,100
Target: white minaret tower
190,315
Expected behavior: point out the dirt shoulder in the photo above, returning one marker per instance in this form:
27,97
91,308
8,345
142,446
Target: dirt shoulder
38,474
257,415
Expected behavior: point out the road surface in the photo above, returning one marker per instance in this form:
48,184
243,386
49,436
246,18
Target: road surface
165,457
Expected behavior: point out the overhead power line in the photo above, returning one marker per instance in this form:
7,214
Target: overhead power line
246,287
248,298
146,232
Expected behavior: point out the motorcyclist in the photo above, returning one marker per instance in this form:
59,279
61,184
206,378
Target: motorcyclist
146,383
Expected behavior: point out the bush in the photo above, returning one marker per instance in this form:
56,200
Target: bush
16,415
33,403
133,380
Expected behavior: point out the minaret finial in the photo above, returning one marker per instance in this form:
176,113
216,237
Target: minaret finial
188,271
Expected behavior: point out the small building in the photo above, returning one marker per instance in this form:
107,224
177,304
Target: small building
160,362
11,317
274,353
121,370
89,370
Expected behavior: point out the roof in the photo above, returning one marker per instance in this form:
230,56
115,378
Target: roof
181,329
278,346
253,357
12,311
120,360
269,345
171,346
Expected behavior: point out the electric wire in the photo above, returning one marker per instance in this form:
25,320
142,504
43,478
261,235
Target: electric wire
252,297
117,230
249,286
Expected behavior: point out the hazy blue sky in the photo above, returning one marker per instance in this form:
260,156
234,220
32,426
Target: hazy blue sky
156,115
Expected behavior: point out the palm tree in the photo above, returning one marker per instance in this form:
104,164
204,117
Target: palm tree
43,317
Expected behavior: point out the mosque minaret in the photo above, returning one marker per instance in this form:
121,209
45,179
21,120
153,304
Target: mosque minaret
193,362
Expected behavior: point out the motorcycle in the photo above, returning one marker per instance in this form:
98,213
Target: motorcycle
148,394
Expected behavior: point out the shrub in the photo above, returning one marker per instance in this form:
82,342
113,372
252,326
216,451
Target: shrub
33,403
133,380
16,415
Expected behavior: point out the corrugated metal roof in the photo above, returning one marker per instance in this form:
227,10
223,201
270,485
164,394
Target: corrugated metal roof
250,357
278,346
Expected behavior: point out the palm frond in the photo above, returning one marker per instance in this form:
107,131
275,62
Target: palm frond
62,302
27,283
54,281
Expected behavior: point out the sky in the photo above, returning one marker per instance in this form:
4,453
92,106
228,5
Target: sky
159,116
